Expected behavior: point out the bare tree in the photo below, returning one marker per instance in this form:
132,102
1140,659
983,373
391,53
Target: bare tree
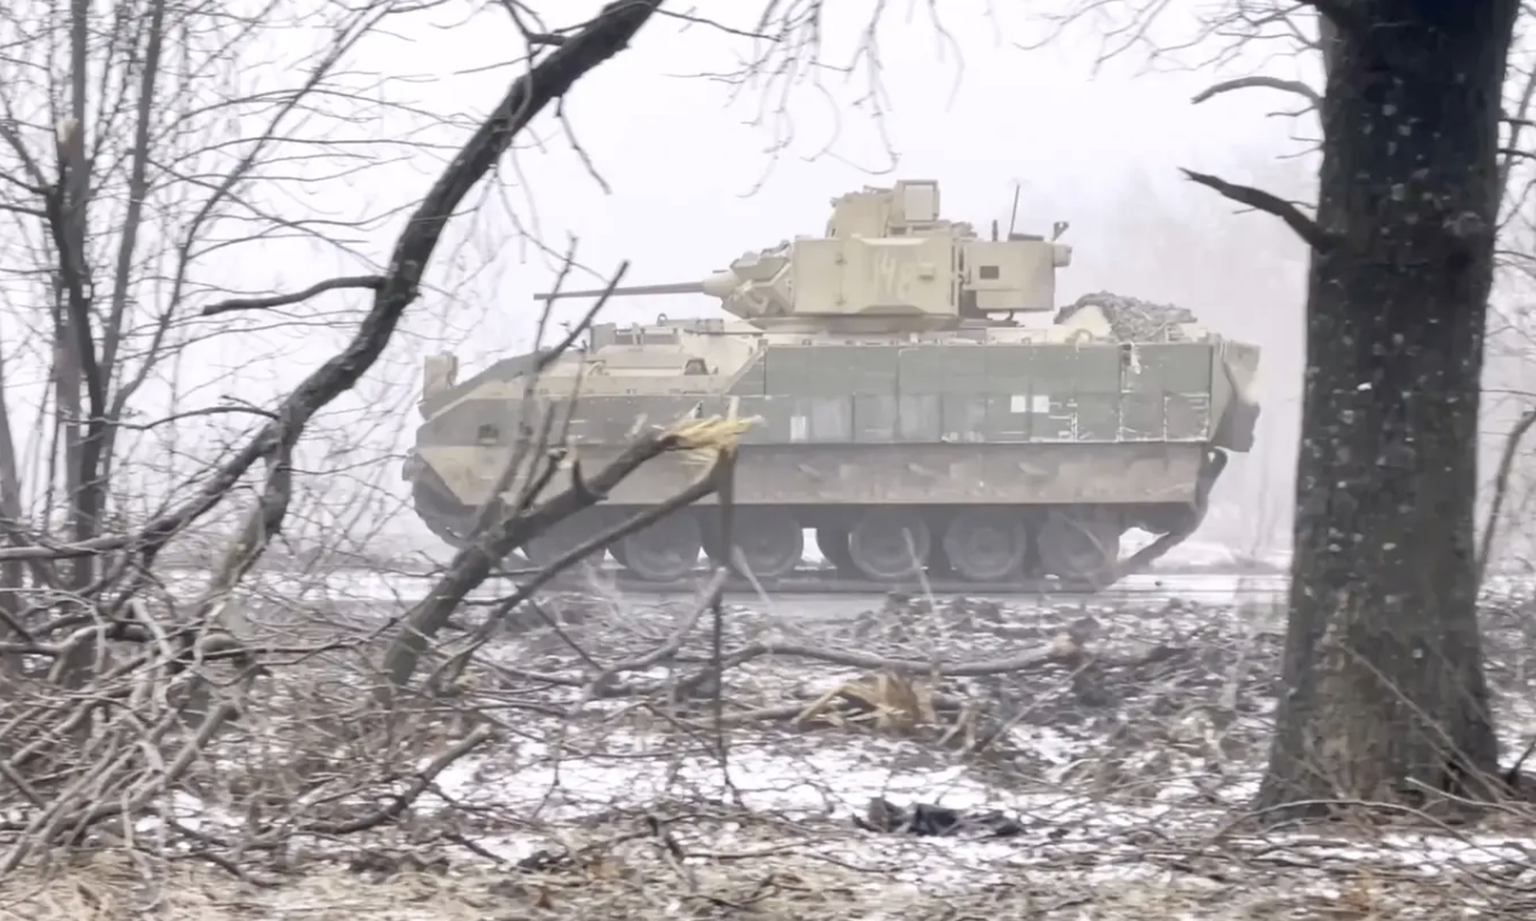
124,190
77,597
1384,661
1263,32
1389,696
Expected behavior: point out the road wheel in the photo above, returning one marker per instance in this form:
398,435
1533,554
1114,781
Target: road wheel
985,545
833,545
1080,546
890,544
666,551
770,541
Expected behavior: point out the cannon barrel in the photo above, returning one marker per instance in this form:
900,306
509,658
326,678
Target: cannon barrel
684,287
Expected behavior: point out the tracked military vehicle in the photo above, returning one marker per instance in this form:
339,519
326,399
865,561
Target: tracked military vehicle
922,405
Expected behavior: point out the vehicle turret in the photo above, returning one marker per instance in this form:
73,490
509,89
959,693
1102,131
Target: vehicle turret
888,263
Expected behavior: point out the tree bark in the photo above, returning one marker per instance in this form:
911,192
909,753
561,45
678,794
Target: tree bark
1383,662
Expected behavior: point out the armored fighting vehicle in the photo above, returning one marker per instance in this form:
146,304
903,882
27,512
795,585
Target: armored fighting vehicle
921,403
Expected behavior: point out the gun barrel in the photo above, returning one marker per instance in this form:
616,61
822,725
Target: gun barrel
686,287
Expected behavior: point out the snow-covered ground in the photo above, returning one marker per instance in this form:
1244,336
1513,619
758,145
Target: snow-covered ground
405,587
298,590
1124,776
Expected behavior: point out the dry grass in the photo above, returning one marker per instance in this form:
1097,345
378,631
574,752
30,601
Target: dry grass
642,879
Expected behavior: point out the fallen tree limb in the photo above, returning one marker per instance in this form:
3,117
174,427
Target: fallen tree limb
1066,649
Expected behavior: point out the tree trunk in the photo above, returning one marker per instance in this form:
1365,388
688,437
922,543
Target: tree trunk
1383,659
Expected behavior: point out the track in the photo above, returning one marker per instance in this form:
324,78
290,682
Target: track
665,552
812,581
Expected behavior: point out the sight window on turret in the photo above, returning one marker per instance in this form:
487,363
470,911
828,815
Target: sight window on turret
988,272
488,433
695,366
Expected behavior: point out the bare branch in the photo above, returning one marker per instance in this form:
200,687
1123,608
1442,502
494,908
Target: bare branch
1512,150
419,785
1296,87
600,39
368,282
1506,468
1304,227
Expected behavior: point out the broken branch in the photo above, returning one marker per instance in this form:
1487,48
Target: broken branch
367,282
702,488
473,564
1305,227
